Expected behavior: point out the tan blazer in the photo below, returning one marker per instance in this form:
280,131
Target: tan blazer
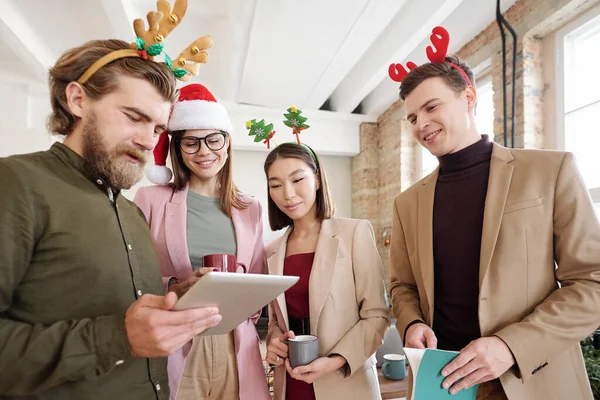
347,307
537,213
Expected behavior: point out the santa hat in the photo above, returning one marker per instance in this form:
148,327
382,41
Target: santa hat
196,108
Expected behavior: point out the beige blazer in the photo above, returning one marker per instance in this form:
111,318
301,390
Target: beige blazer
348,311
538,216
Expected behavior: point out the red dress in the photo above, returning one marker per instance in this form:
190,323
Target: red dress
296,299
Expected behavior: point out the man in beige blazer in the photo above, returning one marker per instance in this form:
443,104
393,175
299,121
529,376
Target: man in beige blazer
496,254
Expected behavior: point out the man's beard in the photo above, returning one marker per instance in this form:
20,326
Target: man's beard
111,165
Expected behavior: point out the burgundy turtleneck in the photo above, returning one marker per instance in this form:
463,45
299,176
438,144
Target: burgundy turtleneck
457,224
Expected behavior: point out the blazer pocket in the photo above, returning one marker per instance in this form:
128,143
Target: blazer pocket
521,205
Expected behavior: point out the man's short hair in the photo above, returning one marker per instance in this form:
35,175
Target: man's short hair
451,76
74,62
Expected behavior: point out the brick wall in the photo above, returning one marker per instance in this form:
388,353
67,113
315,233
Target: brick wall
388,162
532,20
365,176
530,95
385,167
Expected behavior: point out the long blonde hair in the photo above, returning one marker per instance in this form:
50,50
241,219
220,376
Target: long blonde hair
230,195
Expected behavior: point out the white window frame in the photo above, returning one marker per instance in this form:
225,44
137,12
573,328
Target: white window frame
486,79
560,85
420,154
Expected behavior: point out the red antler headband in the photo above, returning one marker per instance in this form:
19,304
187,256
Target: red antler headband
440,39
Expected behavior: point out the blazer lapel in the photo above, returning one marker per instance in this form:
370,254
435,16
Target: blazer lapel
425,232
497,192
241,235
275,264
323,267
175,230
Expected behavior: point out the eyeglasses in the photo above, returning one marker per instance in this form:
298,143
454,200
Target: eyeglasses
191,144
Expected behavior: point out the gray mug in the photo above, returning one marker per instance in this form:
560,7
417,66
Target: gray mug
302,350
394,366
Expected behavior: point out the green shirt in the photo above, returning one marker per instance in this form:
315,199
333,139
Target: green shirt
73,258
209,230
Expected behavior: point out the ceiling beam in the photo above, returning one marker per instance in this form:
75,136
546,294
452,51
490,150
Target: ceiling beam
16,77
404,33
120,15
242,25
23,40
479,14
375,16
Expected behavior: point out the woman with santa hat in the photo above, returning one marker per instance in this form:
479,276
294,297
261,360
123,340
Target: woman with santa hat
202,212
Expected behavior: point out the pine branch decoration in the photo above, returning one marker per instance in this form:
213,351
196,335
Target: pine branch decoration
261,131
296,121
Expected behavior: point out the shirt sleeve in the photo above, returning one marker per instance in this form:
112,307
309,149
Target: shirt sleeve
35,357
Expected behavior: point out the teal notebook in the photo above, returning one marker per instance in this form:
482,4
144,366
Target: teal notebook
426,366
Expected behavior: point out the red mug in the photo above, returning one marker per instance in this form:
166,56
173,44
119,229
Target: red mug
222,262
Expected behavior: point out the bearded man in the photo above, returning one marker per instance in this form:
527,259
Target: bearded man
82,314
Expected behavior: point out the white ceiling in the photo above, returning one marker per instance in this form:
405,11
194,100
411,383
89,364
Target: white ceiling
266,53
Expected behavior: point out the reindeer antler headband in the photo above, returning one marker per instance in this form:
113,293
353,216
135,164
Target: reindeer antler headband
149,43
440,39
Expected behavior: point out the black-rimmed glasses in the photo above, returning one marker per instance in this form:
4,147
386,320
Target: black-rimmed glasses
191,144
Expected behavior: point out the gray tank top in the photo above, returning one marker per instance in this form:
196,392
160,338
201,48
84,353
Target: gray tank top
208,230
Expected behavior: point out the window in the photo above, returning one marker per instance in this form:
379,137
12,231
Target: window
429,162
582,101
485,107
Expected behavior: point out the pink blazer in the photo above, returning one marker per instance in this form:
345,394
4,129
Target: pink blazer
166,213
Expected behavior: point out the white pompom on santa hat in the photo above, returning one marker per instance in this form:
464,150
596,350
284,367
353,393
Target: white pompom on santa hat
196,108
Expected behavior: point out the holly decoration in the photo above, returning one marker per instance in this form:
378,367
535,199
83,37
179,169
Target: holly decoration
296,121
153,50
260,131
178,72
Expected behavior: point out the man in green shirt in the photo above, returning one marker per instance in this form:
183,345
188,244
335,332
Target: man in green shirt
82,311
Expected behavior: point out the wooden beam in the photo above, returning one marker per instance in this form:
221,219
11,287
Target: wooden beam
399,39
120,15
375,17
243,22
20,36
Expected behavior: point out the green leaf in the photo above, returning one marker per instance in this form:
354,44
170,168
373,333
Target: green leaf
592,364
168,61
179,72
139,43
155,49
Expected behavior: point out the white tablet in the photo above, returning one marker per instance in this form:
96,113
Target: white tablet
238,296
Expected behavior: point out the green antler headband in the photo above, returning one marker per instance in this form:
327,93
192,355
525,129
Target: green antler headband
149,43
